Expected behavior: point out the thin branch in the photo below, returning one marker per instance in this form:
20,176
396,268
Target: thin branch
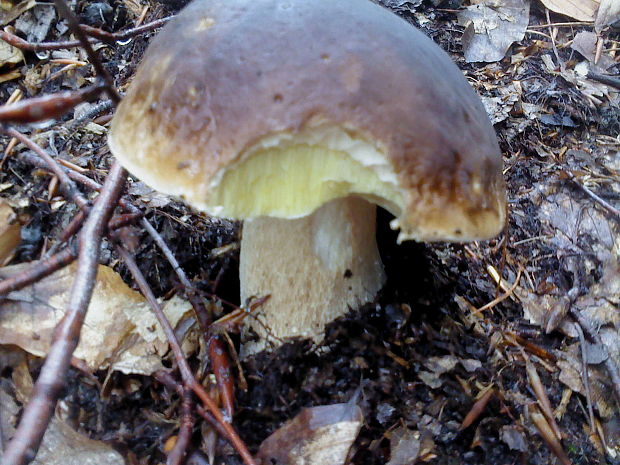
37,413
177,454
74,24
202,315
186,374
592,335
68,187
37,271
611,81
603,203
585,379
96,34
111,37
47,107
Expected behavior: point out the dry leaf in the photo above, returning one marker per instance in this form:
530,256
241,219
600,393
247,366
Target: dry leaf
585,43
61,444
581,10
119,329
317,435
10,231
10,55
608,13
10,11
490,29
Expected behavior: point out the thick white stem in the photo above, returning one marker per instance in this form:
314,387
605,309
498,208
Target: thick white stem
315,269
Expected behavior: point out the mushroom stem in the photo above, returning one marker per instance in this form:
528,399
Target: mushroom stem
314,267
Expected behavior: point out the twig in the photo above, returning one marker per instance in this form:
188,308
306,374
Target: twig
593,336
584,376
37,413
611,81
202,315
22,44
74,24
68,187
186,374
603,203
547,434
111,37
47,107
37,271
92,112
95,33
176,455
500,298
477,408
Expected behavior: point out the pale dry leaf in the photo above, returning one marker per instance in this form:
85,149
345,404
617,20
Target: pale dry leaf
62,445
317,435
608,13
432,380
10,231
581,10
585,43
36,23
141,353
441,365
404,446
491,28
30,315
10,55
514,437
12,11
570,365
119,331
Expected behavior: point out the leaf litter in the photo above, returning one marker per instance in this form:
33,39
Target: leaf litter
426,360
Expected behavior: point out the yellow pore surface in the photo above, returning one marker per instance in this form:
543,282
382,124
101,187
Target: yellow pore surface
293,181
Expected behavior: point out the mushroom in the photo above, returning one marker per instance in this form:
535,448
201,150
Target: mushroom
300,117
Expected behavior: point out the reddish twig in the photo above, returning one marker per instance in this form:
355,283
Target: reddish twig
186,374
177,454
22,44
49,265
47,107
111,37
38,271
477,408
202,315
37,413
74,24
68,187
95,33
220,364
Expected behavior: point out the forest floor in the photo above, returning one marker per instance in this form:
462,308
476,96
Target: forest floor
420,359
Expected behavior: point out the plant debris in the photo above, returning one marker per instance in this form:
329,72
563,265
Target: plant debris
487,353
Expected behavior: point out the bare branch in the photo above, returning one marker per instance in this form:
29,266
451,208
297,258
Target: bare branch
37,413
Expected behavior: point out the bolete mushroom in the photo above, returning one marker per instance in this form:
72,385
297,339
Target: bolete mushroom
299,117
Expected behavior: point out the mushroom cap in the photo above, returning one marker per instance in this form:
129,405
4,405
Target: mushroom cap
226,76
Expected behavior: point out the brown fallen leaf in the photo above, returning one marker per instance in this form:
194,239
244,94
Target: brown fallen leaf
408,447
11,10
608,13
317,435
10,232
119,331
491,28
581,10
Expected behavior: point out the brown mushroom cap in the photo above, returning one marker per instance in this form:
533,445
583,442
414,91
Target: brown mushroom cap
224,75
